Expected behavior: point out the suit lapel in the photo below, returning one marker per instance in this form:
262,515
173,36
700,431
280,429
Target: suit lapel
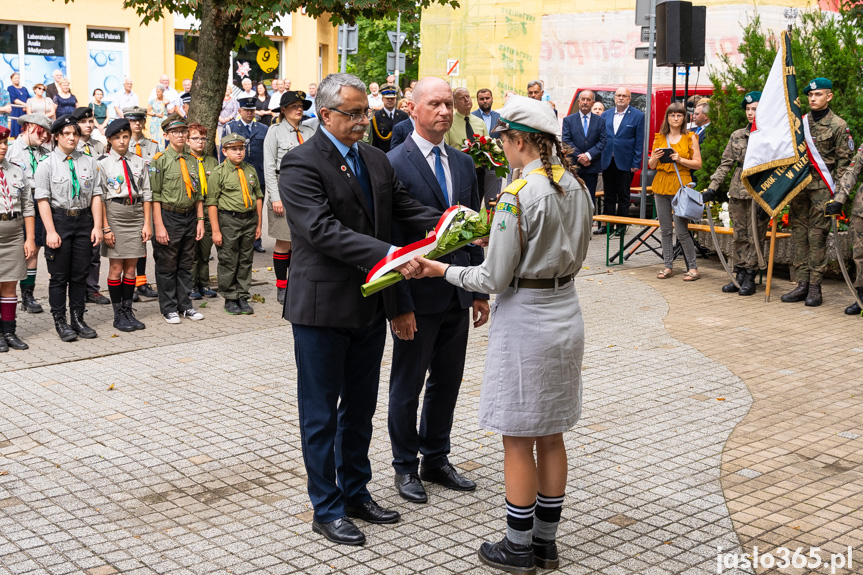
421,165
341,166
455,176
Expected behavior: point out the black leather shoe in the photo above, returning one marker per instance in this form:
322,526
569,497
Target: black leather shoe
4,347
854,309
121,322
245,308
28,302
371,512
341,531
598,231
411,488
505,555
135,297
64,330
207,292
280,294
96,297
545,554
130,315
76,317
260,249
147,290
14,341
813,298
447,476
797,294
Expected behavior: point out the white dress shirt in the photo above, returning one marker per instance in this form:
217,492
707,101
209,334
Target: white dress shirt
275,100
425,147
618,118
123,100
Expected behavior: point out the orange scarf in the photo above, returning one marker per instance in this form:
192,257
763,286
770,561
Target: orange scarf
247,198
187,179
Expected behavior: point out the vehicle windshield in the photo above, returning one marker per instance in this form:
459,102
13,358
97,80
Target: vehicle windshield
638,101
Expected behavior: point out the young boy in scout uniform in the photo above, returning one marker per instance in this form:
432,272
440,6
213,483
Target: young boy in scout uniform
142,146
205,166
126,223
16,242
69,195
178,219
27,151
234,203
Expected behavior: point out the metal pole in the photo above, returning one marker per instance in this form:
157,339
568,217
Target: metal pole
651,51
398,47
343,47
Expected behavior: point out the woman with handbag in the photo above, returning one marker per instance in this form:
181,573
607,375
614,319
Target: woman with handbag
681,145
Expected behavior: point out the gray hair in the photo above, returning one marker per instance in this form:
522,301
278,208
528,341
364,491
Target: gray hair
457,90
533,83
328,90
705,107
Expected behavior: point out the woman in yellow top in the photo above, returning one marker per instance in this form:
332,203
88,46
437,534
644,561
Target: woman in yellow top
673,134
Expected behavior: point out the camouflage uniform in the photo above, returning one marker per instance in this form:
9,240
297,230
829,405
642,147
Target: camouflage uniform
739,202
809,225
843,190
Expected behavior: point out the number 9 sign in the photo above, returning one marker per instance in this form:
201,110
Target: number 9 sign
268,59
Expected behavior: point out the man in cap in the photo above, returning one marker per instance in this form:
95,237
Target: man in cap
833,149
27,151
381,126
142,146
178,219
254,133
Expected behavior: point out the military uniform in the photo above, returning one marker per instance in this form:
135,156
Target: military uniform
235,191
843,190
203,247
381,127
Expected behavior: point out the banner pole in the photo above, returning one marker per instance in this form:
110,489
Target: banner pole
770,258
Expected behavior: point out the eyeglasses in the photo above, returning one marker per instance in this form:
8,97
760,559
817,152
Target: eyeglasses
358,117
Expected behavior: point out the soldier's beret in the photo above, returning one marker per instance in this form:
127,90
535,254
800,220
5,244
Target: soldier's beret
174,122
528,115
62,122
40,120
117,126
290,97
82,113
4,133
135,113
818,84
246,103
749,98
230,140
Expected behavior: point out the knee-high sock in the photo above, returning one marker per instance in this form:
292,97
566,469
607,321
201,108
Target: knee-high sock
142,272
115,290
547,516
519,523
30,279
7,313
281,263
128,288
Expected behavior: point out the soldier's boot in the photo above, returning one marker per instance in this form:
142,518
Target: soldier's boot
64,330
28,302
747,286
813,298
130,315
797,294
730,287
121,322
77,322
854,308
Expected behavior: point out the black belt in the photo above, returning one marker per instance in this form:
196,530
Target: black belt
126,201
71,213
241,215
176,210
5,217
540,283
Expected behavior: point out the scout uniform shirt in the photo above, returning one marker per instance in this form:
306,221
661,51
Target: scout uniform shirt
145,148
131,181
226,190
68,182
280,138
26,158
835,145
173,185
91,147
735,151
15,195
203,167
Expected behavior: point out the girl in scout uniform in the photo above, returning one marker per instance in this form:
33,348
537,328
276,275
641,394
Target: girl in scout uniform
287,134
234,203
16,243
531,391
126,222
69,196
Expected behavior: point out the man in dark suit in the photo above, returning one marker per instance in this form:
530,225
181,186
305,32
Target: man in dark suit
381,128
341,198
700,120
431,326
624,146
401,131
584,132
491,184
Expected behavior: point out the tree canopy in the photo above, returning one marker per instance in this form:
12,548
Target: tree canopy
370,61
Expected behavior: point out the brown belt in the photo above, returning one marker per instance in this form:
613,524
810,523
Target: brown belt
540,283
5,217
176,210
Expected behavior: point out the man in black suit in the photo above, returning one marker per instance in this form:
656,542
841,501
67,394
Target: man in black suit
492,185
341,198
401,131
584,132
381,128
431,326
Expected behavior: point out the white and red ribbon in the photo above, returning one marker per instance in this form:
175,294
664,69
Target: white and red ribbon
420,248
815,156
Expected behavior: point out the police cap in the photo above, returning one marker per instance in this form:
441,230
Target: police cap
246,103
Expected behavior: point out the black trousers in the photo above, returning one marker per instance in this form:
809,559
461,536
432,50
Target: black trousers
70,263
174,261
616,184
438,348
93,272
590,180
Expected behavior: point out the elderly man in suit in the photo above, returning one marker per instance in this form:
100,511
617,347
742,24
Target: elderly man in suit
341,198
431,326
624,129
584,132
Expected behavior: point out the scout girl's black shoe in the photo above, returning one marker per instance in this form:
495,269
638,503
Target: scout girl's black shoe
508,556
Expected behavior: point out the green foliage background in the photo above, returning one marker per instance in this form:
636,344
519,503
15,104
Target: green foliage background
370,62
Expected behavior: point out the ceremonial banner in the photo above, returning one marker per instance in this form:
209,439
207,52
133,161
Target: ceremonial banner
776,166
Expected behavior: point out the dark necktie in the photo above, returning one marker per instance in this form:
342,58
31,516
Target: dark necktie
362,175
440,174
468,129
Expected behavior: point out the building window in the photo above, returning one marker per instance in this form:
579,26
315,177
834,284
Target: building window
259,64
108,61
41,49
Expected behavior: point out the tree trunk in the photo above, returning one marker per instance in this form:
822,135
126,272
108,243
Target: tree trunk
218,34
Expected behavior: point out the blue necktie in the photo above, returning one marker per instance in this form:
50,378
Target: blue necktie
362,175
585,125
440,174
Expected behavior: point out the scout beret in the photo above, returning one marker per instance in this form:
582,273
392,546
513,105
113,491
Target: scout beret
389,92
233,140
40,120
818,84
62,122
246,103
749,98
173,122
135,113
117,126
529,115
4,133
290,97
82,113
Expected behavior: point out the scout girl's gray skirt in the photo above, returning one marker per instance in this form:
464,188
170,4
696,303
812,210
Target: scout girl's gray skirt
532,383
126,222
277,226
13,266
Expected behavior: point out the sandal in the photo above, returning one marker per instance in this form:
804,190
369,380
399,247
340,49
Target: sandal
665,274
691,276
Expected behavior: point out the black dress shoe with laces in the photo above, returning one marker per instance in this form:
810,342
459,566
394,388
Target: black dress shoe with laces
447,476
411,488
545,554
371,512
146,290
97,298
508,556
341,531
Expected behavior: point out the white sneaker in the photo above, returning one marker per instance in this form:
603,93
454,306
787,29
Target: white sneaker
172,317
193,314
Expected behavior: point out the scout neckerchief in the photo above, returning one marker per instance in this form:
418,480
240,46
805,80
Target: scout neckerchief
87,149
76,187
299,137
247,199
138,149
5,192
187,179
202,175
130,182
33,163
